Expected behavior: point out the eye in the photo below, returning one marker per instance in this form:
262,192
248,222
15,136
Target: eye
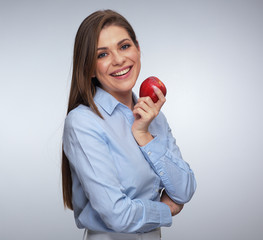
101,55
125,46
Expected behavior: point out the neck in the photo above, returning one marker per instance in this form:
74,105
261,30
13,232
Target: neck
126,99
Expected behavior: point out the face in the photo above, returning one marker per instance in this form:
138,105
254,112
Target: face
118,61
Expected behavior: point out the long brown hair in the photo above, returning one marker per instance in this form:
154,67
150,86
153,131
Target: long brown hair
83,84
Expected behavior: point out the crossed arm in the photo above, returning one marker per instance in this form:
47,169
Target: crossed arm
144,112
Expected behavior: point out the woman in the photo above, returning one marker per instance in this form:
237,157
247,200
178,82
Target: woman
118,151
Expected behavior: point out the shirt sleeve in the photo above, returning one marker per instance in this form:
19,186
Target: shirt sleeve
165,158
87,150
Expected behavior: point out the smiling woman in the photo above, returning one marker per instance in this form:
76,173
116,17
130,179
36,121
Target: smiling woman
122,173
118,63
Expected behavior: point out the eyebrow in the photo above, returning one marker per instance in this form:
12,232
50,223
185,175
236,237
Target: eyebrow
119,43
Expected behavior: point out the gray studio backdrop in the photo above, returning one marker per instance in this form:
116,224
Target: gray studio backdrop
208,53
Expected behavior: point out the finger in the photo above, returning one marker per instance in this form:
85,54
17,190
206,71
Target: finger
161,97
138,113
144,105
151,111
145,113
147,100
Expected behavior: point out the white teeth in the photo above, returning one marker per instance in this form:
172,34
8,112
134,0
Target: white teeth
121,72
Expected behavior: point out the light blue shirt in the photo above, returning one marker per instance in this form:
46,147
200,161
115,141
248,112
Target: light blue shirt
116,183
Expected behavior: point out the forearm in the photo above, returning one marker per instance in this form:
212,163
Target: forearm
176,175
140,215
175,208
142,138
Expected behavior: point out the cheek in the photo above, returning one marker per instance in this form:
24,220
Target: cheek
100,68
138,60
139,57
136,57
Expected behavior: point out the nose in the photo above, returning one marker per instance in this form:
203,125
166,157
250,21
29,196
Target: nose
118,58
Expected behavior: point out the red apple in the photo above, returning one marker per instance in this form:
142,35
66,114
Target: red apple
146,88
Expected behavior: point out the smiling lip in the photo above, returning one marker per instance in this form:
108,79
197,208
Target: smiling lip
121,72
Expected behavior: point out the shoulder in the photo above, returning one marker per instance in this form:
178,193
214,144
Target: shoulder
82,125
82,117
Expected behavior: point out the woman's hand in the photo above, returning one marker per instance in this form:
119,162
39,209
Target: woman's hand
174,207
144,112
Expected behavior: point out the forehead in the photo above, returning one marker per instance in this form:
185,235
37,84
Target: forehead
112,35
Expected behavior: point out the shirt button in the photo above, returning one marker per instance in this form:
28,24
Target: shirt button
156,190
149,153
161,173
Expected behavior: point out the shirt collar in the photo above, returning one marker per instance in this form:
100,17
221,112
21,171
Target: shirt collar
107,101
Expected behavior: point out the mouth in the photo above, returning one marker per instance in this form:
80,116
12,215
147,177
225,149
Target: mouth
121,72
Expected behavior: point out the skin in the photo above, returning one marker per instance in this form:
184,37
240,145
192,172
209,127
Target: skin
116,52
175,208
117,69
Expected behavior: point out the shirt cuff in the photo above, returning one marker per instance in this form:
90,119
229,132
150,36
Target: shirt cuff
152,207
154,150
